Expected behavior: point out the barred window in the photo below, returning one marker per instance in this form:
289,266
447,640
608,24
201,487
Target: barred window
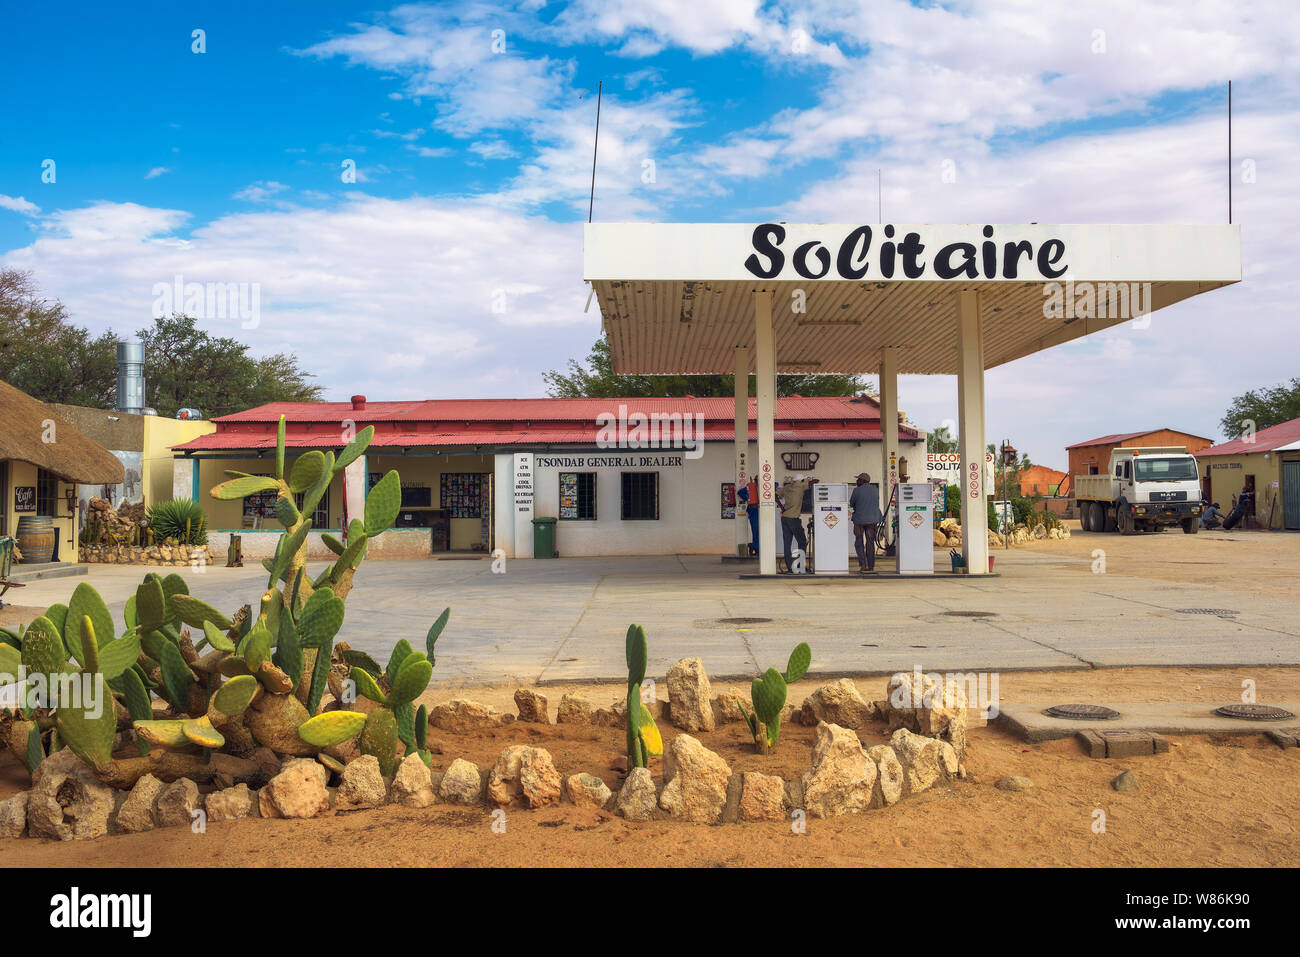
320,518
578,495
47,493
640,496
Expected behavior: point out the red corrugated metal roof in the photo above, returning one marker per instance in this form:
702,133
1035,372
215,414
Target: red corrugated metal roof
237,441
1265,440
1110,439
522,422
470,410
1119,437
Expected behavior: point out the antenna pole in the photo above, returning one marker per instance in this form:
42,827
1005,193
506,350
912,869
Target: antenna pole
591,203
1229,152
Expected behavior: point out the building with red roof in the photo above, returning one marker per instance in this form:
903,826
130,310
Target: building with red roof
1093,456
620,476
1264,465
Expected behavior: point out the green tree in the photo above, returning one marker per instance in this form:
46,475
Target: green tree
186,367
1262,408
940,440
596,379
43,354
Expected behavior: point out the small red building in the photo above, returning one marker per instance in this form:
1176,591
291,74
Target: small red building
1093,457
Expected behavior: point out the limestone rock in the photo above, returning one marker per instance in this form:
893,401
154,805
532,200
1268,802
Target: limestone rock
690,697
412,785
573,710
1125,781
727,707
524,773
698,788
838,703
361,784
231,804
532,706
66,801
636,799
460,715
297,791
920,758
1013,783
587,790
137,812
762,797
925,704
842,777
177,803
461,784
13,816
940,539
890,770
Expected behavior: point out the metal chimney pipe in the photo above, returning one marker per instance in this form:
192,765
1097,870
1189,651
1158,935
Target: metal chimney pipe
130,377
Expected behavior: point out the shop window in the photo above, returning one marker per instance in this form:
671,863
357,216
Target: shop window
640,496
47,493
578,496
320,518
461,494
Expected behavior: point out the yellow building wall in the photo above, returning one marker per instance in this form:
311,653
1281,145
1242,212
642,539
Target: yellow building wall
1227,474
156,457
427,470
24,473
229,515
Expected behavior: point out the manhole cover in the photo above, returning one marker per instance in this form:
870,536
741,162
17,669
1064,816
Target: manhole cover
1084,712
970,614
1221,612
744,621
1254,712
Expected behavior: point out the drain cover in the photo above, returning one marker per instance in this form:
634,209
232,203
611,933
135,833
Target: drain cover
1085,712
743,621
1254,712
1221,612
970,614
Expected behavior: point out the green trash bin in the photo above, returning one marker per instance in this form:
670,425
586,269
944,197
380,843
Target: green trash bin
544,538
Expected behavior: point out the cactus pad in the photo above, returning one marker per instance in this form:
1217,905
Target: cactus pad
331,728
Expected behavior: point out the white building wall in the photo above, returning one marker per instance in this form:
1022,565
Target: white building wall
690,495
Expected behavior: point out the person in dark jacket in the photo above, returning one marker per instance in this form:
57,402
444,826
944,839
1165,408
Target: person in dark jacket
864,502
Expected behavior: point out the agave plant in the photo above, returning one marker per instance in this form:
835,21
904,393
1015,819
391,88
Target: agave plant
180,520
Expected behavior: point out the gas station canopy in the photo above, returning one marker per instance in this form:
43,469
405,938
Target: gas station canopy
889,299
678,297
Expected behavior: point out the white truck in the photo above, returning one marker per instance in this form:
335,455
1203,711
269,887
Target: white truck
1144,489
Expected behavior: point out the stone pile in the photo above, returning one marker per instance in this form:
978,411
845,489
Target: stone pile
174,555
926,749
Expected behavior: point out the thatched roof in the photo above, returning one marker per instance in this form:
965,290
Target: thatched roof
71,456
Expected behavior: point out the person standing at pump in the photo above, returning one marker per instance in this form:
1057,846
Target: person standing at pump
864,502
749,495
791,517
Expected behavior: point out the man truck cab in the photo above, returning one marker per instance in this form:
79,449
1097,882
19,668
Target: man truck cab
1145,489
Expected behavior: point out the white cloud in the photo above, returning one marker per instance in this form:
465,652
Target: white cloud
156,172
393,298
493,149
261,191
19,205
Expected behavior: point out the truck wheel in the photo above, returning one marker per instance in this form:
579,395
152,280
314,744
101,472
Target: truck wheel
1191,526
1124,519
1107,518
1085,516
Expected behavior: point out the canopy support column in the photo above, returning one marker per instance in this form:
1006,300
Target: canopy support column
765,393
888,422
970,424
742,448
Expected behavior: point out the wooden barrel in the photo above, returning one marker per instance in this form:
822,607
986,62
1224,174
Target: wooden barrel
36,538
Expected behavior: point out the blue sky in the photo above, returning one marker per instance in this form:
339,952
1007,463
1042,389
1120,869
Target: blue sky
470,129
